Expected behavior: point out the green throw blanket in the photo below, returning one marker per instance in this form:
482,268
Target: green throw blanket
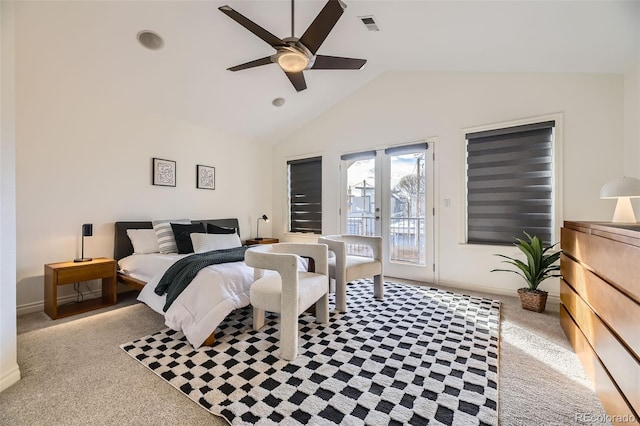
180,274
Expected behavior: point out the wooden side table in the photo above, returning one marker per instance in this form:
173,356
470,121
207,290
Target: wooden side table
261,241
56,274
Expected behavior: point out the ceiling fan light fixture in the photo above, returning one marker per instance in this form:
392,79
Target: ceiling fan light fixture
292,61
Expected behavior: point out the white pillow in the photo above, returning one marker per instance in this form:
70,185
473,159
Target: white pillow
208,242
164,234
143,240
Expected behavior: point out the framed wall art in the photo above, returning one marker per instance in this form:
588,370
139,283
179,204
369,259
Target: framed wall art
205,177
164,172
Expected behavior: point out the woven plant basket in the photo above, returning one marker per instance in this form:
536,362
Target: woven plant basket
532,300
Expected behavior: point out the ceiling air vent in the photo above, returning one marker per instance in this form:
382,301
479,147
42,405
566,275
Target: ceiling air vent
369,22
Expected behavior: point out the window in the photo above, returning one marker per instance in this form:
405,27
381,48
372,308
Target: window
510,183
305,195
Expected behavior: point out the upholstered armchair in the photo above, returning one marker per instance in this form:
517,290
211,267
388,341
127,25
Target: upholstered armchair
291,290
345,268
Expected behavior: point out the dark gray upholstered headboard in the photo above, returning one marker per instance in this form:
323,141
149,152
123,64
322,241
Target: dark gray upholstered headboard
122,245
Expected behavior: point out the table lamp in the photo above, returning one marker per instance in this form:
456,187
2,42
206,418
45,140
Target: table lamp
87,231
623,189
266,219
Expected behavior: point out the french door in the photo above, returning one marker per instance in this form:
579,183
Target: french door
390,193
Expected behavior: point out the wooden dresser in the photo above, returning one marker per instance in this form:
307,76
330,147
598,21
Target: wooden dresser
600,310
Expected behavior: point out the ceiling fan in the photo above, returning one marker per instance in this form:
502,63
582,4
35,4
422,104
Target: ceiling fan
293,54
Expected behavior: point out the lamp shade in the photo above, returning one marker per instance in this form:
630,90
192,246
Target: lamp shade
621,187
87,230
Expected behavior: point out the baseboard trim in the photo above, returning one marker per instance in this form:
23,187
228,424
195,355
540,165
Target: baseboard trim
454,285
29,308
10,377
553,298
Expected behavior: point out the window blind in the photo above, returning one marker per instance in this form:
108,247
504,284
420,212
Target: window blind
305,195
407,149
365,155
510,184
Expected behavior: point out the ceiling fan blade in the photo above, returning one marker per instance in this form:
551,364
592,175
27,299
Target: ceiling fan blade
322,25
252,64
297,79
265,35
323,62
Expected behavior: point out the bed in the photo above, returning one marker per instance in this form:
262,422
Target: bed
214,292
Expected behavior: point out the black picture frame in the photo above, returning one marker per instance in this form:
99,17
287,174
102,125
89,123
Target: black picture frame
205,177
163,172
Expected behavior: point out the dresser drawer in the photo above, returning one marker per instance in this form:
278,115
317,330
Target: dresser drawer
621,364
616,262
86,273
614,308
613,402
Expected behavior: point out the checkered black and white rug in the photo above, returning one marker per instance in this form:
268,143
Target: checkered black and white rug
420,356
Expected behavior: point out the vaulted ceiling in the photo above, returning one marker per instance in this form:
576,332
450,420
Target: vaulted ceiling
92,47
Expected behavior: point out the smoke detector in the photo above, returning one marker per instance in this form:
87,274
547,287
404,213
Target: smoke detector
150,40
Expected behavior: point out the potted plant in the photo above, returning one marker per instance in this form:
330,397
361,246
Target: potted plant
540,265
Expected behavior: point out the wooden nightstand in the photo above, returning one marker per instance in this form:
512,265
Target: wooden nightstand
262,241
56,274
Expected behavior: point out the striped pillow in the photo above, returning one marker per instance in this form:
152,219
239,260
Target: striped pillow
164,234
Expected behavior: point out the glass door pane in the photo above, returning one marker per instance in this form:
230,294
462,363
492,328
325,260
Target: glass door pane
407,209
361,201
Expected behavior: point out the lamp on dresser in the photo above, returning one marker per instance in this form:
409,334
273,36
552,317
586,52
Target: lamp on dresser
266,219
623,189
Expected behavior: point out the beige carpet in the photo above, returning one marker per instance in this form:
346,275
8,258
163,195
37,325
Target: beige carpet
74,373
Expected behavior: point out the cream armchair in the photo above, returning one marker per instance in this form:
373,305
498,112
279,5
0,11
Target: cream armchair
290,291
345,268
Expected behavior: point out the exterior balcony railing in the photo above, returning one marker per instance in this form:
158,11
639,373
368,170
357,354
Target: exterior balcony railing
406,237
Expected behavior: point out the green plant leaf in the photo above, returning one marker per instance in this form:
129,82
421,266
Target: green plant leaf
539,265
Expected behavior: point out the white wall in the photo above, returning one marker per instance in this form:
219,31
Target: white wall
632,127
631,122
9,371
94,166
86,159
407,106
636,122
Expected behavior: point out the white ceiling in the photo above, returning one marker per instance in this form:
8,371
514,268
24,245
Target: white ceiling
93,45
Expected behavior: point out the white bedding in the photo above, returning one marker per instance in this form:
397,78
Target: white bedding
198,310
145,266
